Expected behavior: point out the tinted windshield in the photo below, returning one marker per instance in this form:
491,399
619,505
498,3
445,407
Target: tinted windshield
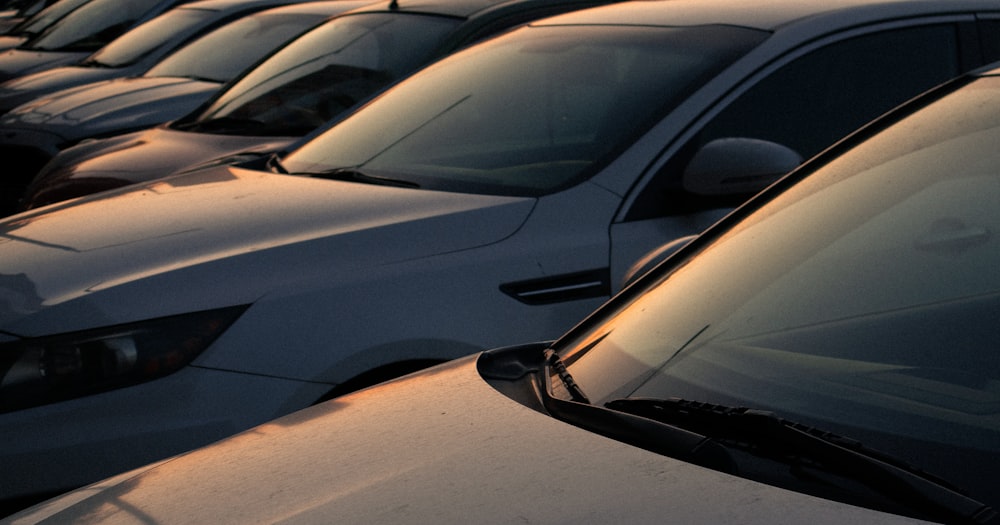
529,112
46,17
149,36
324,72
865,300
91,26
225,52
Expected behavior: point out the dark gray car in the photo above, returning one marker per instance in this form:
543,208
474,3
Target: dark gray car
78,34
134,52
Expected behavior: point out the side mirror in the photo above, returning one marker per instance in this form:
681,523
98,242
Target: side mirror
653,258
738,165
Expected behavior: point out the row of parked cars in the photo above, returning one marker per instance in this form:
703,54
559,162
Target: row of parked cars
756,300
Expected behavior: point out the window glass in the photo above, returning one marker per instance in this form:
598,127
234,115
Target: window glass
46,17
91,26
863,300
324,72
149,36
245,41
816,100
526,114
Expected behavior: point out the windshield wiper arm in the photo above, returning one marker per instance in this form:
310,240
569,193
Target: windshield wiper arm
763,433
274,164
357,175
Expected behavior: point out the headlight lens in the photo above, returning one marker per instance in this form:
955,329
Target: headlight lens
45,370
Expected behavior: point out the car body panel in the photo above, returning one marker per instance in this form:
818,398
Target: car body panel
9,41
101,107
326,214
16,62
155,151
438,447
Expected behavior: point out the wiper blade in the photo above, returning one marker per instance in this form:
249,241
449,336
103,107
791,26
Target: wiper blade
764,434
357,175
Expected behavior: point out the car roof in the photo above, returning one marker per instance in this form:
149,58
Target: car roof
768,15
467,8
321,7
216,5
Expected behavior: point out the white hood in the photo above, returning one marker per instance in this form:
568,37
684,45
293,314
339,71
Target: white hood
257,229
439,447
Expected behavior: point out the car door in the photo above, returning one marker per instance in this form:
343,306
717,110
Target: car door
805,101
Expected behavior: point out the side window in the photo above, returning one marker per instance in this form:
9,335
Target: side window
991,38
814,101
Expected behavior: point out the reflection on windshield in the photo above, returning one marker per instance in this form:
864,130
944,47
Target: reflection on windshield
323,73
147,37
46,17
528,113
865,300
91,26
225,52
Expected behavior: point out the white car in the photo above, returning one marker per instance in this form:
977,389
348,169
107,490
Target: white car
825,355
496,196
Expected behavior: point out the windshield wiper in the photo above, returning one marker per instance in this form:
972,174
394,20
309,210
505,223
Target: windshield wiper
764,434
223,124
357,175
274,164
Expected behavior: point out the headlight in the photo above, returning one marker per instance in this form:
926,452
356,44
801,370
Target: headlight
45,370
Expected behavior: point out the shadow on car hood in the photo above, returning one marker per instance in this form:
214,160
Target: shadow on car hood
24,89
241,230
440,446
110,105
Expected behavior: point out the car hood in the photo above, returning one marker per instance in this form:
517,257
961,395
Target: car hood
10,41
440,446
24,89
157,152
240,233
18,62
110,106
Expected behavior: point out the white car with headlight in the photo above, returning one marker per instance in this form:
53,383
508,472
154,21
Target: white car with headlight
496,196
825,354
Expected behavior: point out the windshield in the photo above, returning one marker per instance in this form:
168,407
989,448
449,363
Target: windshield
46,17
865,301
225,52
527,113
146,38
323,73
91,26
